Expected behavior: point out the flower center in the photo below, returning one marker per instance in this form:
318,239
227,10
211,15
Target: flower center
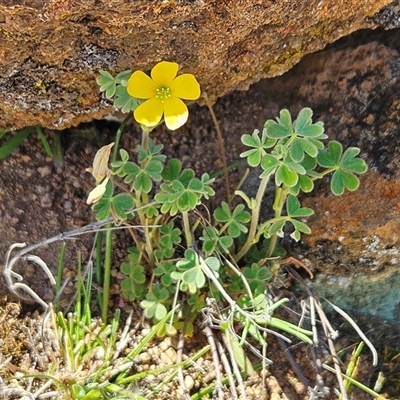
163,93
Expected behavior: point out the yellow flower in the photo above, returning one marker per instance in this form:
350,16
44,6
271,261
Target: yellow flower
163,92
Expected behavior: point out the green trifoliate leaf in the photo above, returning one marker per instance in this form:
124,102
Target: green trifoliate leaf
300,146
269,164
304,184
275,228
341,180
123,77
125,102
107,84
141,178
102,208
121,203
300,226
303,125
330,158
345,166
211,241
235,221
294,209
172,170
350,163
258,145
285,175
282,128
257,277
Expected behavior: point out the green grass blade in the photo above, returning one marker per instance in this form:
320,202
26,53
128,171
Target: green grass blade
45,143
14,142
366,389
60,265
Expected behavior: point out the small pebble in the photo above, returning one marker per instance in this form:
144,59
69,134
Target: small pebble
46,201
189,382
44,171
67,206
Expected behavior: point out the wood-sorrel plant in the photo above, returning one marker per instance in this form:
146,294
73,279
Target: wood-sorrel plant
179,257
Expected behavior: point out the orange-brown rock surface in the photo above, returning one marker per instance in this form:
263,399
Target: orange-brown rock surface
51,51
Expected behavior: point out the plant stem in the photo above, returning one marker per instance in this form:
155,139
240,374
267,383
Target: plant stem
222,150
186,229
145,136
99,272
107,273
60,265
280,197
254,218
118,136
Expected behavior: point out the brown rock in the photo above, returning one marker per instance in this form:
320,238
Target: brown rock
51,51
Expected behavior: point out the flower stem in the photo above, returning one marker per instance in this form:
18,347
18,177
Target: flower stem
254,218
107,273
118,136
222,150
280,197
186,229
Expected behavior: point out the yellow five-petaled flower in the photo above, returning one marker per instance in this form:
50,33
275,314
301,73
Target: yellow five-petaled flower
163,92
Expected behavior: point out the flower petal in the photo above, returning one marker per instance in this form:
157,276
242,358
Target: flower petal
96,194
175,113
100,164
150,112
141,86
164,73
185,87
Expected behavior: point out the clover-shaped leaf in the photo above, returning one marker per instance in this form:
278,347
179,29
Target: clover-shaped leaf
269,164
121,203
207,189
303,125
234,221
175,196
190,272
294,209
107,84
141,178
299,227
125,102
257,277
150,153
300,146
133,286
153,304
123,77
164,270
330,158
282,128
169,236
171,233
172,170
345,166
118,166
211,241
102,208
258,146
